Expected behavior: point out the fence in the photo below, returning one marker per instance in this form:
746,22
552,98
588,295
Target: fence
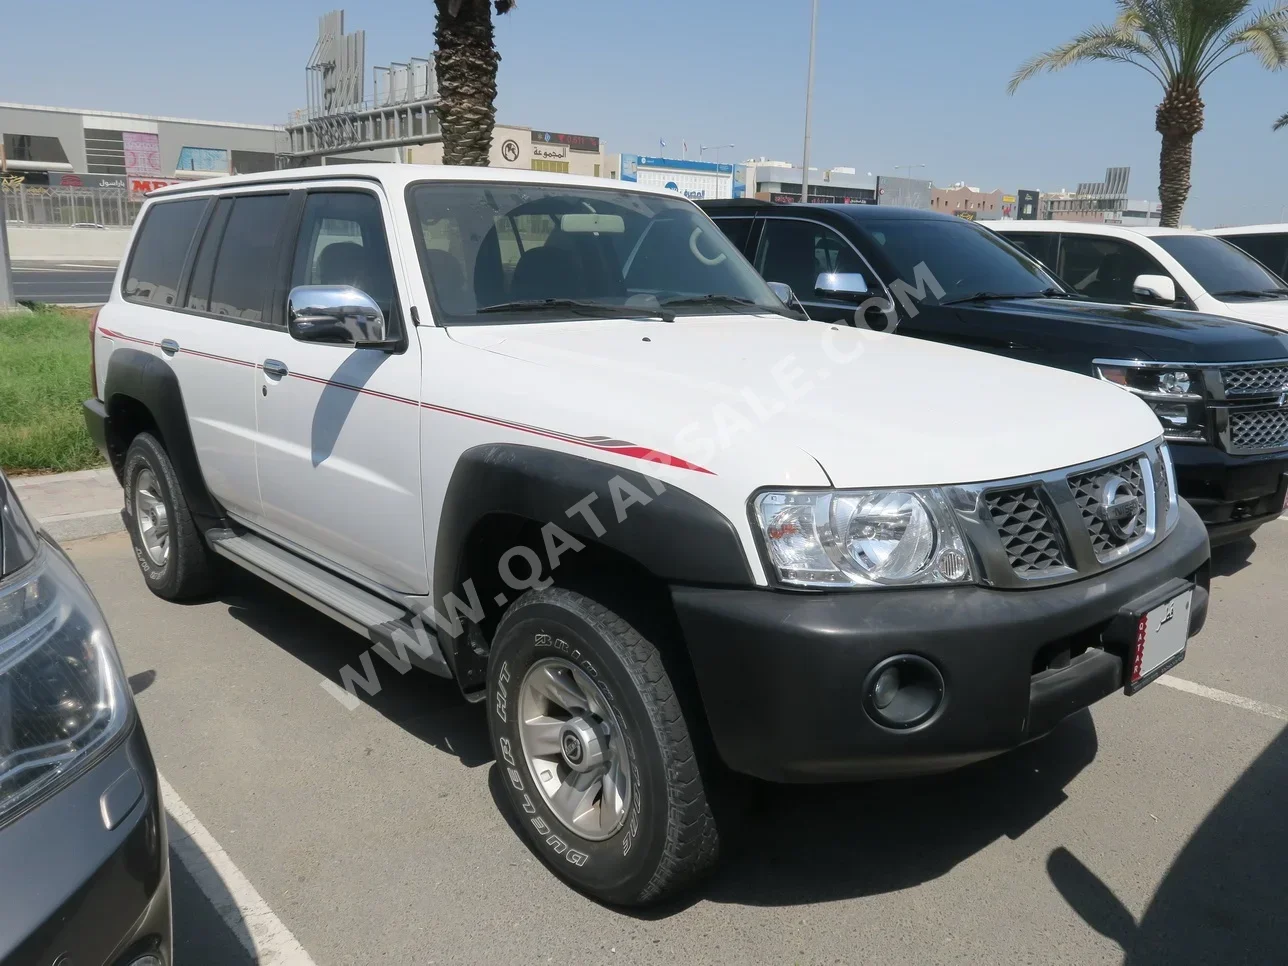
64,207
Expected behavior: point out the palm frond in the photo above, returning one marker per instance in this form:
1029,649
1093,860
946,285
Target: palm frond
1101,42
1265,36
1281,123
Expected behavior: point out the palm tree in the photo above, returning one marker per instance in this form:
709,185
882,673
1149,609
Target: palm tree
1282,122
1180,43
466,62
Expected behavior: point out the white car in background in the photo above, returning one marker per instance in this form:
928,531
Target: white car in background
1268,244
1155,266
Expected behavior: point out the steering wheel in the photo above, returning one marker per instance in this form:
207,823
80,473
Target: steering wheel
693,247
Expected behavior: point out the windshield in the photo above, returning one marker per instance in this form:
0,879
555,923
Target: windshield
964,259
528,252
1221,268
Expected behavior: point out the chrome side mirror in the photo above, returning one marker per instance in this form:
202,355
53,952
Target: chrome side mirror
842,285
788,297
336,315
1160,288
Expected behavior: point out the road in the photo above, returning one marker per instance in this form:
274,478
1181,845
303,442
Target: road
1149,831
66,283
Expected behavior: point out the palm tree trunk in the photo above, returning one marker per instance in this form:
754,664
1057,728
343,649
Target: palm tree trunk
466,61
1178,119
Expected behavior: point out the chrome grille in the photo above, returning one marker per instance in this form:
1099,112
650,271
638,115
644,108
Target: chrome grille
1255,380
1258,429
1108,537
1027,532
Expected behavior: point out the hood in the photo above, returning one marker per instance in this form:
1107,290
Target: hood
1273,314
1133,331
740,395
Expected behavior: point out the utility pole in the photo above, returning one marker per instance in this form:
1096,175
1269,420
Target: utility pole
809,103
7,302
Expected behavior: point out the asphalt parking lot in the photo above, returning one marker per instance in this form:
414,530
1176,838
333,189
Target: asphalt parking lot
1150,831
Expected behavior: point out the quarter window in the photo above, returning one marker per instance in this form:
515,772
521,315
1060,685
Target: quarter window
342,242
157,260
1271,250
798,252
1104,269
247,259
738,230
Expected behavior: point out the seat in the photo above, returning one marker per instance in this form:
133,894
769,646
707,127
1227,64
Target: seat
547,273
348,263
448,280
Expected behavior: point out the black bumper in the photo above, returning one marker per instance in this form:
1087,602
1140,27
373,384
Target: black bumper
781,674
1233,495
78,892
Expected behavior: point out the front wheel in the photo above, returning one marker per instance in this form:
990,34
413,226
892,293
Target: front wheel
595,753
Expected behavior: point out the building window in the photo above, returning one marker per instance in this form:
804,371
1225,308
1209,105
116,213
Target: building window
596,171
34,147
250,162
554,167
104,151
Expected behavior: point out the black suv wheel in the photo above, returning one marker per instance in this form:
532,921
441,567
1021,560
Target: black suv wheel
170,550
594,750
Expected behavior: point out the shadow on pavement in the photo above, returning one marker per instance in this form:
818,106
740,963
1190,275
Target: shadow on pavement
1229,559
784,845
427,707
201,936
1225,898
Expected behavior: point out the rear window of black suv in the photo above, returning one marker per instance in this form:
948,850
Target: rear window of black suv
156,262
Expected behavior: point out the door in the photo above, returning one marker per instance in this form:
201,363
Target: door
210,342
797,251
1105,269
338,448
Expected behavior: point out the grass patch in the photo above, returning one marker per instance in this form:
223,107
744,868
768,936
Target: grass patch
44,376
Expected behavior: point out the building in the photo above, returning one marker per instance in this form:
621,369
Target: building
780,181
68,147
696,180
967,202
1100,201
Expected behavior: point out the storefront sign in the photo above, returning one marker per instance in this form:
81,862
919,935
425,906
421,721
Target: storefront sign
103,181
142,154
555,152
214,160
577,142
144,185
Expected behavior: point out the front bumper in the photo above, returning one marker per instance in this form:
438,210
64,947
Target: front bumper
78,892
781,674
1233,495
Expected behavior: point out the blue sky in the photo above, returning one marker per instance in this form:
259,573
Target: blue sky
919,82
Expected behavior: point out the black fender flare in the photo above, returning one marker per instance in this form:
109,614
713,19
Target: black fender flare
675,536
151,383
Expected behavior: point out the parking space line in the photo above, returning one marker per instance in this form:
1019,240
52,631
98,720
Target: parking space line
1225,697
265,937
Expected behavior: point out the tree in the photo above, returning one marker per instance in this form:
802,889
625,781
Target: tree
1180,43
466,62
1282,122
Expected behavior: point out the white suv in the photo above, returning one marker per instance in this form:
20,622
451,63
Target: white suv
555,439
1155,266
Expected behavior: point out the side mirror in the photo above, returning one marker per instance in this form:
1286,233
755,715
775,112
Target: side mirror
336,315
788,297
1160,288
850,286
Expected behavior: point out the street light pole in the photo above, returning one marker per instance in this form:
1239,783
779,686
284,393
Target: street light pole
903,187
809,103
7,302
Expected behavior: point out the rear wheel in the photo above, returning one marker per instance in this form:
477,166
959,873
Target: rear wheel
596,754
169,548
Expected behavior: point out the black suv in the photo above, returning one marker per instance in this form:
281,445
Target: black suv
1219,387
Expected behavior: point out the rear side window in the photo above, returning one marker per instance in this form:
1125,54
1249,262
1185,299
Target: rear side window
1040,245
737,230
204,267
246,263
160,250
1269,249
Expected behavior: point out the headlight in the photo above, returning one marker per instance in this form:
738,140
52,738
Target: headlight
1175,393
62,699
862,538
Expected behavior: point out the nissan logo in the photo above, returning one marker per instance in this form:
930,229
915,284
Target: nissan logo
1118,508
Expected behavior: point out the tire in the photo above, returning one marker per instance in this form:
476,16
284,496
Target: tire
665,834
185,570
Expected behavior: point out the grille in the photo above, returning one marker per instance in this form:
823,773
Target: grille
1088,492
1258,429
1027,532
1251,380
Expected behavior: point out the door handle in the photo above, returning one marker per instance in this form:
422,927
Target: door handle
169,346
274,368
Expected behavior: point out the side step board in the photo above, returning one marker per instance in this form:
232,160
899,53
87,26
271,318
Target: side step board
393,631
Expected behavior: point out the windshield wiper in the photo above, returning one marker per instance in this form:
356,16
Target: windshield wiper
581,307
998,296
729,301
1252,293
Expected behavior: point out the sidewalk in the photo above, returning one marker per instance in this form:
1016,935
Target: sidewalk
72,505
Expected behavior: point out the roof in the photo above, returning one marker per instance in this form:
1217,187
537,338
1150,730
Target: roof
139,117
1090,228
397,176
1280,229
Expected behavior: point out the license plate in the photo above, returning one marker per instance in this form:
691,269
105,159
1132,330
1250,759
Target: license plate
1161,636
